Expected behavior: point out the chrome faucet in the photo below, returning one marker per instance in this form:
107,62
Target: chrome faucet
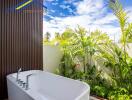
18,72
27,81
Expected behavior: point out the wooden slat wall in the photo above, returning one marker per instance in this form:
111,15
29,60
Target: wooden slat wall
20,40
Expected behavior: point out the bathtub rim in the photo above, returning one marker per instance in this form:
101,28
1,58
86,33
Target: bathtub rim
29,92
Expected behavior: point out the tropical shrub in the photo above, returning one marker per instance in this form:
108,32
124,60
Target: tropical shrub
82,48
119,94
98,46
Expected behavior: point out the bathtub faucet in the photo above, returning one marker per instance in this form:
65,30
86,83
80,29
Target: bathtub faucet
27,81
18,72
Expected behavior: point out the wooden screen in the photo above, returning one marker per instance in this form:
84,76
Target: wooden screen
20,40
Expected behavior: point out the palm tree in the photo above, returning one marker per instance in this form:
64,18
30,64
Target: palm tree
47,37
57,35
125,26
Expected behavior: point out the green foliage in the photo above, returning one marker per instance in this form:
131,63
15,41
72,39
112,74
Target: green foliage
125,26
81,47
119,94
78,50
100,90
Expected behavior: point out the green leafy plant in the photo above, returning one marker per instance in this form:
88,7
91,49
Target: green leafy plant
119,94
81,48
125,26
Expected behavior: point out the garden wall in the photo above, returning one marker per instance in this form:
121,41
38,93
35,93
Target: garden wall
51,57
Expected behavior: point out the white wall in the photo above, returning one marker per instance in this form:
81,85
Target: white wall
51,58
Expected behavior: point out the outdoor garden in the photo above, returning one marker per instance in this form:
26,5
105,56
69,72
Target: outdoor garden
96,59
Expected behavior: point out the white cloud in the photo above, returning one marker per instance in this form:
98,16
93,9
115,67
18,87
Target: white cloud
91,14
62,14
69,1
89,6
49,0
64,6
50,16
53,11
109,18
58,24
55,3
67,7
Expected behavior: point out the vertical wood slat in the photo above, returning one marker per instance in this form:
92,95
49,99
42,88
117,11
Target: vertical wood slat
20,41
0,42
2,45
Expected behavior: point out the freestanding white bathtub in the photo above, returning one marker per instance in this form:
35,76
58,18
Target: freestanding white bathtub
46,86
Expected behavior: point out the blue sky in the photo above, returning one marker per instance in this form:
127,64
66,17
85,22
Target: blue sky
91,14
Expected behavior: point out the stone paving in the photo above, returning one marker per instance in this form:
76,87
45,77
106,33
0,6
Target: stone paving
93,98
